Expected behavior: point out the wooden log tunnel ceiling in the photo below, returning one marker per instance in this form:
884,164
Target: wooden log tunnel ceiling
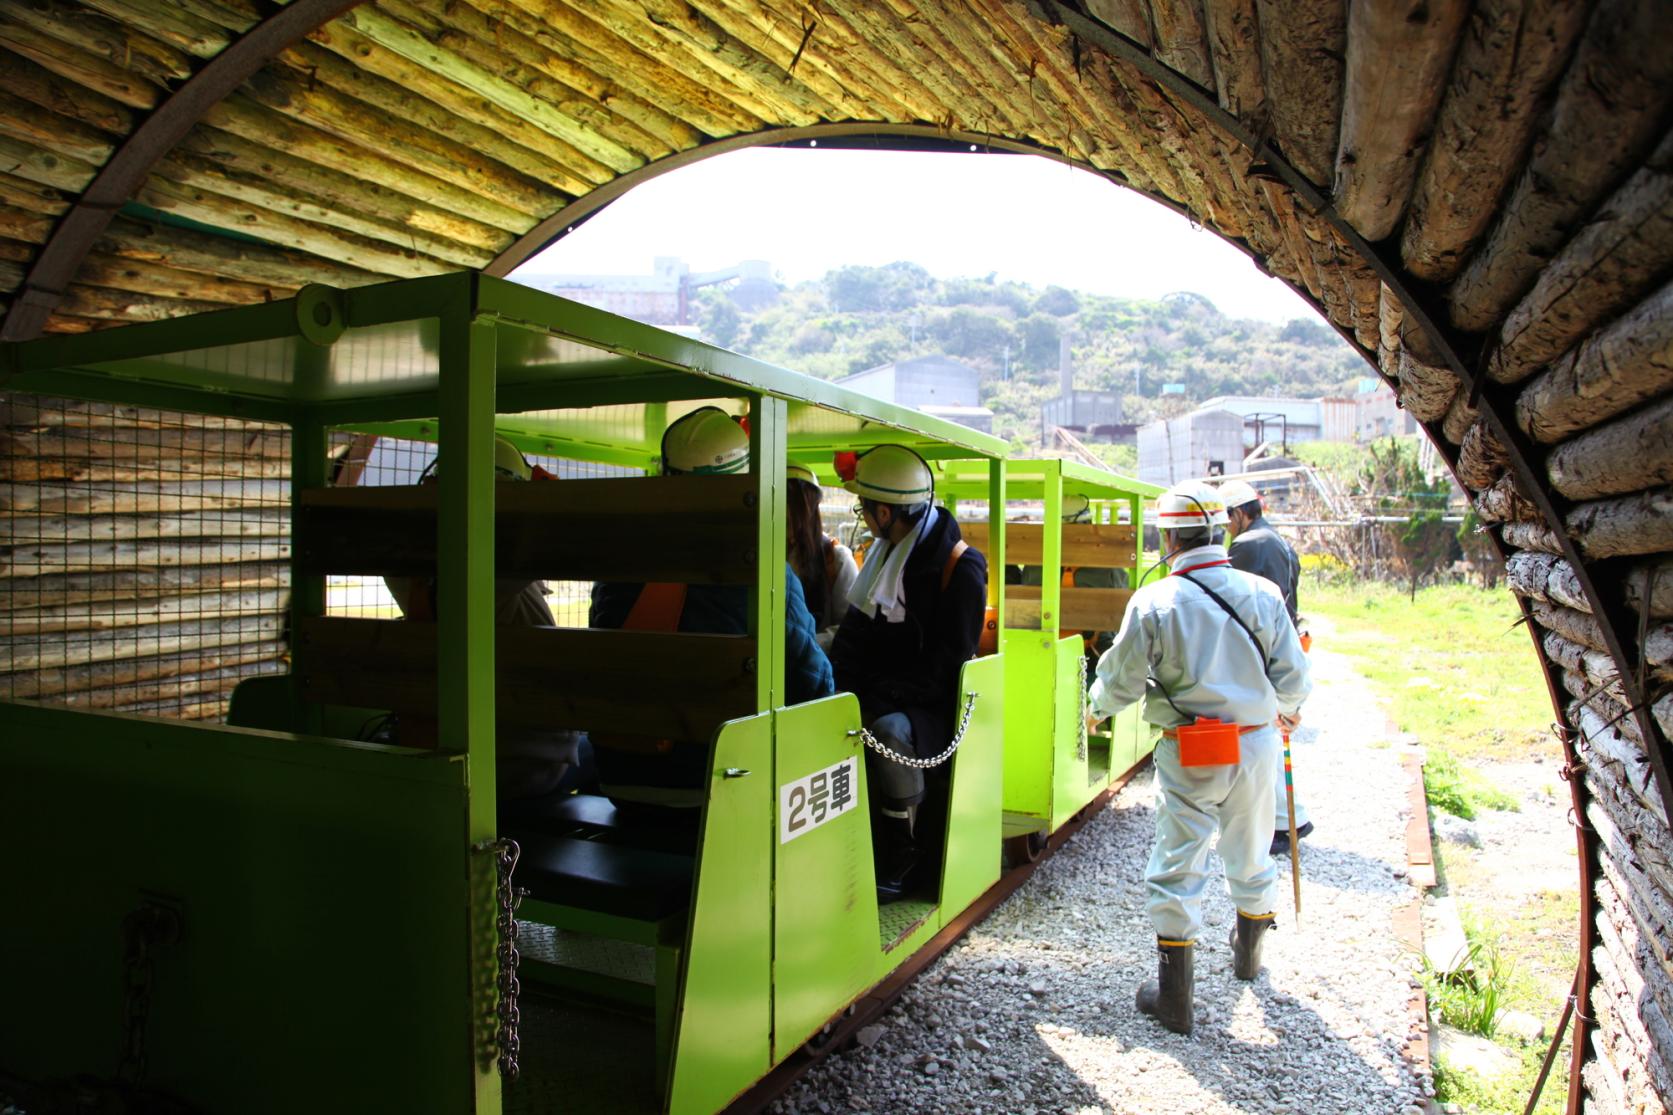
1479,196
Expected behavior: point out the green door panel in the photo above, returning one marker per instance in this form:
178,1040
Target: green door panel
825,951
721,1043
323,893
975,820
1029,707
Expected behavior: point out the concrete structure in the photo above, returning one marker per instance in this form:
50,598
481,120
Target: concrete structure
1090,415
1202,443
937,385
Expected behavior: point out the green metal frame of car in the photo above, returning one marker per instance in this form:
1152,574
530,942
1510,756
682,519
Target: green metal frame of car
1049,778
337,898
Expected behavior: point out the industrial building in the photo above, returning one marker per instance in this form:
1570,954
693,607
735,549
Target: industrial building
937,385
1217,437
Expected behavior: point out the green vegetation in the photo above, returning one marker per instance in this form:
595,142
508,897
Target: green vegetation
1463,793
1508,1093
1458,670
859,317
1472,998
1455,669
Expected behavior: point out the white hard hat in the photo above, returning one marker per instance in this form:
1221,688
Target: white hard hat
802,473
1074,506
892,474
1238,492
1193,503
509,461
706,442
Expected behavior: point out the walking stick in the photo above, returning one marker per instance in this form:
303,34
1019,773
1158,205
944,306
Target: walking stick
1295,841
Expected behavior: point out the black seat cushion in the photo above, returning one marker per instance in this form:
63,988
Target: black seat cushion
565,814
642,883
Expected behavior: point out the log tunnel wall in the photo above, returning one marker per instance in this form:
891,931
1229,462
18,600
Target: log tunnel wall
1479,196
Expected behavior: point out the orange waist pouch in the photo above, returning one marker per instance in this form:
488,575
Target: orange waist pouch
1207,743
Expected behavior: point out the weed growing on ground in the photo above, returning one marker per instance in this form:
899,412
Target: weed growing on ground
1472,997
1458,791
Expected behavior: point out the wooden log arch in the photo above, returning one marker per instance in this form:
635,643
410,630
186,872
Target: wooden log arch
78,229
1387,160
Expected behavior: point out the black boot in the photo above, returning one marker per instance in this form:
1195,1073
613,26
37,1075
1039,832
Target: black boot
1169,998
1247,936
896,859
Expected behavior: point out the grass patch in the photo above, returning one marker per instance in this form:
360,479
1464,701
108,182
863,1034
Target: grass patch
1463,793
1472,998
1456,669
1508,1095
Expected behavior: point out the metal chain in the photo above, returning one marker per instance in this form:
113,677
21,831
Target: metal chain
507,1034
144,929
891,754
1080,749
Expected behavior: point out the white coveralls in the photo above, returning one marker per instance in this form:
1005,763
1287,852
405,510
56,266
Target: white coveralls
1176,633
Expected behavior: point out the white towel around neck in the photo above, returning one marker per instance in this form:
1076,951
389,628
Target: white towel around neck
879,586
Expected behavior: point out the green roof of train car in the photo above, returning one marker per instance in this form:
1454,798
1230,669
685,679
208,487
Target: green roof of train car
574,377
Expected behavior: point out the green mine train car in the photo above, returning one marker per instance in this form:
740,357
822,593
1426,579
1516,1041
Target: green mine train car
280,916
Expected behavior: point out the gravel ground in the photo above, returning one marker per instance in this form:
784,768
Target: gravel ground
1033,1011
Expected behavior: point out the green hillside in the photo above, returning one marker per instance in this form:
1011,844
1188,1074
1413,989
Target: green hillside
859,317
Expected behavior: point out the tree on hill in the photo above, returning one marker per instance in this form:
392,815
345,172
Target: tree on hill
858,317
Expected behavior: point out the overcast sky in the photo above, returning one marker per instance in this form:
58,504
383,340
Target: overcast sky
1024,217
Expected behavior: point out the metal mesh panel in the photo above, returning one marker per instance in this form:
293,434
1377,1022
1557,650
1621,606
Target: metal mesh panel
387,460
143,556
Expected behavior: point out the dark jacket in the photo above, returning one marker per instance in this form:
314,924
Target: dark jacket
913,666
1259,550
724,610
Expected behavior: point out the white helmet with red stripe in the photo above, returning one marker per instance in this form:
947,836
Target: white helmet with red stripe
1193,503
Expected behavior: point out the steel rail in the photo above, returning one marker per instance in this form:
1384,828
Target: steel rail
73,237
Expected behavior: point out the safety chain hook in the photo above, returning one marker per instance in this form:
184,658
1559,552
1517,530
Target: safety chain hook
509,896
892,755
145,929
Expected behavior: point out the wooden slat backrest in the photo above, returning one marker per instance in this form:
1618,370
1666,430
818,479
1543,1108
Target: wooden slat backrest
1096,545
1083,609
692,529
665,686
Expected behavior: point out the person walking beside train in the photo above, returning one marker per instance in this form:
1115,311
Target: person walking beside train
1255,547
1216,660
914,619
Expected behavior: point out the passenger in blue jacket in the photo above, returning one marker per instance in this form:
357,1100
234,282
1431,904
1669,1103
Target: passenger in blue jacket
709,442
914,619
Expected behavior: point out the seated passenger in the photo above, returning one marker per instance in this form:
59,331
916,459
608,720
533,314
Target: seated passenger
531,765
1078,509
654,785
914,619
825,566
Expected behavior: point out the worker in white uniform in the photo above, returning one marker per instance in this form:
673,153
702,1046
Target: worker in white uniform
1215,658
1255,547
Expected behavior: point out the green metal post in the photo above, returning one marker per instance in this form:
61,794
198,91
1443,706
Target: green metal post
307,591
1051,554
996,538
767,420
465,634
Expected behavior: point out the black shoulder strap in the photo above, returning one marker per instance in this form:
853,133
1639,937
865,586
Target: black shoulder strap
1232,612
